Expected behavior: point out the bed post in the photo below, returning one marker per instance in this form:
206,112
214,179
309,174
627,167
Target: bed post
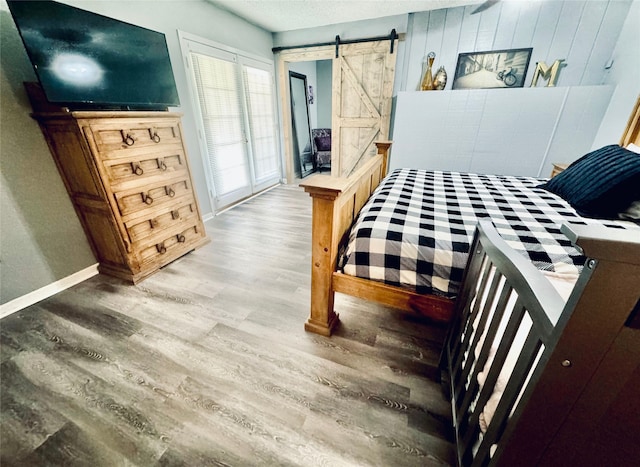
335,202
324,252
383,148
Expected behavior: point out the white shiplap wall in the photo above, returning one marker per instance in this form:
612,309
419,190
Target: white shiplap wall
507,131
583,33
494,131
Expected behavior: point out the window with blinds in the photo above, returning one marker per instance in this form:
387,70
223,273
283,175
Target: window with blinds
238,121
221,109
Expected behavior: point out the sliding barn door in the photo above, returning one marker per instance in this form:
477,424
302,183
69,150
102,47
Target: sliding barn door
362,91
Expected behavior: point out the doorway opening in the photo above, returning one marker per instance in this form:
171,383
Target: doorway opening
310,89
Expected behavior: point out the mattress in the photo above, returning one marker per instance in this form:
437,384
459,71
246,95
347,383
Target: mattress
416,229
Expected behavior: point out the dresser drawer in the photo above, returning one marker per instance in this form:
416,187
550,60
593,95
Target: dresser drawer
117,138
152,196
168,218
171,246
144,169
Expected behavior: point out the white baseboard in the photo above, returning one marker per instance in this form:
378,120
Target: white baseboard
47,291
207,217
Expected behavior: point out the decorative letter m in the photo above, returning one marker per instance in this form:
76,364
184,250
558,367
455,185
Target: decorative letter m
550,74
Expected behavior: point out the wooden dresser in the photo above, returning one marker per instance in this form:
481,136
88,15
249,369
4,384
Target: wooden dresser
128,177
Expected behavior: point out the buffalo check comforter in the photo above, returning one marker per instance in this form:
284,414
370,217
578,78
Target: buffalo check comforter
416,229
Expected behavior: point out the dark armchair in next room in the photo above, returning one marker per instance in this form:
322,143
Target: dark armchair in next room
321,141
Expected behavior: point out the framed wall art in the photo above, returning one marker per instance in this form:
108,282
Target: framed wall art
492,69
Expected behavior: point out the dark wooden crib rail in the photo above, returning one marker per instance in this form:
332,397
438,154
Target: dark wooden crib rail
493,275
540,393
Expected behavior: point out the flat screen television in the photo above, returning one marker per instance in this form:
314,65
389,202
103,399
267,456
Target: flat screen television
84,60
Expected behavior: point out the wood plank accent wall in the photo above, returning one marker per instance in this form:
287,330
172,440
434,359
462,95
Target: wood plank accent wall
584,33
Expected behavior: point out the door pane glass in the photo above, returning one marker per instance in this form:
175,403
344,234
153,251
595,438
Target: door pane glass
220,104
262,122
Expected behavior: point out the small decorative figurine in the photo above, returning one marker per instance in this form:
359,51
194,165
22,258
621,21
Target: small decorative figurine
440,80
427,79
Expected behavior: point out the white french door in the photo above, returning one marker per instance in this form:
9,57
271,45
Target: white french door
238,124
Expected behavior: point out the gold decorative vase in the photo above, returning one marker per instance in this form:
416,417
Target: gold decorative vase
427,78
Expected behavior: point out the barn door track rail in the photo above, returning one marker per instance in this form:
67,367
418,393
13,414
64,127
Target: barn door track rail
338,42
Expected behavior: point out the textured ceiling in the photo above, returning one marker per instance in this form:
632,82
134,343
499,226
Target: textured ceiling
286,15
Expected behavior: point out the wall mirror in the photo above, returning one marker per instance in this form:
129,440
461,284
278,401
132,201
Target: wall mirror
301,130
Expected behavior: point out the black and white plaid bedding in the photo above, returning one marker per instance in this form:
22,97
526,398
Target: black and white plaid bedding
416,229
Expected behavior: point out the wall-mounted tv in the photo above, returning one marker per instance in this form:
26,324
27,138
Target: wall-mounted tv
88,61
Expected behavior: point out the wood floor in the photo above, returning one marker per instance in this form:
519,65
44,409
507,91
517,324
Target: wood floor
207,363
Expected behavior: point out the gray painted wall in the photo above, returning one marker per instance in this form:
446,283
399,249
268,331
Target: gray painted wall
41,238
324,70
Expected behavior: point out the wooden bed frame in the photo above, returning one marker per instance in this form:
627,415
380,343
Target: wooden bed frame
572,395
336,203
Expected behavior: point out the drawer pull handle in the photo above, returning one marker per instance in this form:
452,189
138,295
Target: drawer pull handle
154,223
170,192
127,138
161,248
147,199
175,215
181,238
155,137
161,165
137,169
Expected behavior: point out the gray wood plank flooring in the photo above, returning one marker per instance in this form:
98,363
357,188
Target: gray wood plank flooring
207,363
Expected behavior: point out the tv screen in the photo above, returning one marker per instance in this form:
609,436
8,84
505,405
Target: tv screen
86,60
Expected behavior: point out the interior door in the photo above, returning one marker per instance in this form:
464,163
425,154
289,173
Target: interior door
363,77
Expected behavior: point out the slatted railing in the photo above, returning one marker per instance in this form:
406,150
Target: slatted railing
504,300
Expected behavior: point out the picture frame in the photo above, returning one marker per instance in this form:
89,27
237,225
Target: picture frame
492,69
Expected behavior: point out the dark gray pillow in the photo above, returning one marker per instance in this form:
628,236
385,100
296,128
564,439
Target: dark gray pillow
600,184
